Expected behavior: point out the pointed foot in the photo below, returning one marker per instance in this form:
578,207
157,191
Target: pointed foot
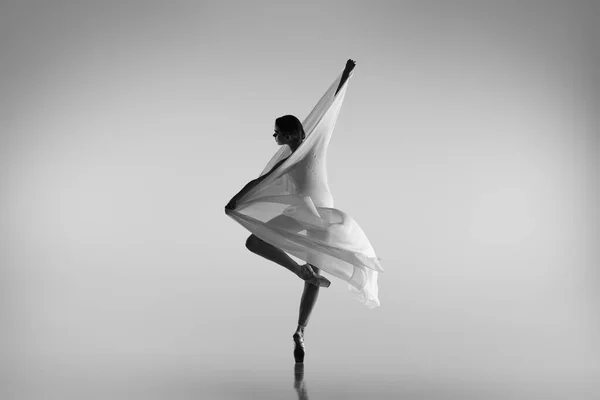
299,349
307,274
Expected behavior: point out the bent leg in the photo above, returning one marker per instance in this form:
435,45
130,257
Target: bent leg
272,253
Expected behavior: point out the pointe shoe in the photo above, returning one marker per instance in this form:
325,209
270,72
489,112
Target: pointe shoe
308,275
299,350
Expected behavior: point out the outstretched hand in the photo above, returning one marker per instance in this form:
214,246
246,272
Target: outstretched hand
232,204
350,64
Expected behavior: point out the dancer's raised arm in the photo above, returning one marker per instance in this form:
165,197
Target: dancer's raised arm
350,64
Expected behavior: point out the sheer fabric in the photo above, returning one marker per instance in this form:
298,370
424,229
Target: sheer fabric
292,208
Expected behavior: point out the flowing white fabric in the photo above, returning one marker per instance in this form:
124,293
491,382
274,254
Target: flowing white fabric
292,208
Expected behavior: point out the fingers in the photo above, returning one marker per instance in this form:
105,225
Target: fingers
231,205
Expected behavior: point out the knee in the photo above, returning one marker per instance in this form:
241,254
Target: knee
252,242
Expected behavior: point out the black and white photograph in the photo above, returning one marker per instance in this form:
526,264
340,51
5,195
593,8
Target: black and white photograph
304,200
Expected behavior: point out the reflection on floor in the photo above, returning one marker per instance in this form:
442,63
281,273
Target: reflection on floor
283,380
299,383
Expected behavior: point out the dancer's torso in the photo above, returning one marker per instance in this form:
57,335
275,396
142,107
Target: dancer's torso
310,178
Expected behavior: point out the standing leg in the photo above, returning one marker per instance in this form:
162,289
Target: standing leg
307,303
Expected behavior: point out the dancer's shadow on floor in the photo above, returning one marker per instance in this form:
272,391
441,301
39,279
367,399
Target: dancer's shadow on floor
299,383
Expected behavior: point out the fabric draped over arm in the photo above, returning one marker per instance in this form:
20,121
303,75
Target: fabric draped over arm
298,189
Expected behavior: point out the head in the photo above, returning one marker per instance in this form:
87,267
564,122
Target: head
289,130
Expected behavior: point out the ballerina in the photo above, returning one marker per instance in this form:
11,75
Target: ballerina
289,208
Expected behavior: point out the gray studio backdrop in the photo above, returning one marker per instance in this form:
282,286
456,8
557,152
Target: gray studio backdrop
466,149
